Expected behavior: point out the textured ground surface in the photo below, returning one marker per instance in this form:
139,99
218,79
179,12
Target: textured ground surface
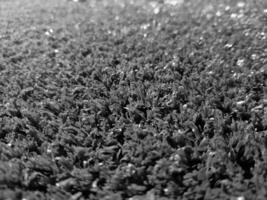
134,100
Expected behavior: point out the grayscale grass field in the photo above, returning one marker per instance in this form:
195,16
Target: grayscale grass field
116,99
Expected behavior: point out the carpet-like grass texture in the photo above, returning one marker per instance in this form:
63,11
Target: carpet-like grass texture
133,100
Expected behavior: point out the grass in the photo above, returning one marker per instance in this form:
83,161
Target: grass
133,100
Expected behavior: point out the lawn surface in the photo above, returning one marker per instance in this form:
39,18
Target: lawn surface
133,100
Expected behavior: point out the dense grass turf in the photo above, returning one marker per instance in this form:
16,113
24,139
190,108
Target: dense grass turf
133,100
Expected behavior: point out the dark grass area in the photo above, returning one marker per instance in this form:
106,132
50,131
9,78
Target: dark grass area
133,100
